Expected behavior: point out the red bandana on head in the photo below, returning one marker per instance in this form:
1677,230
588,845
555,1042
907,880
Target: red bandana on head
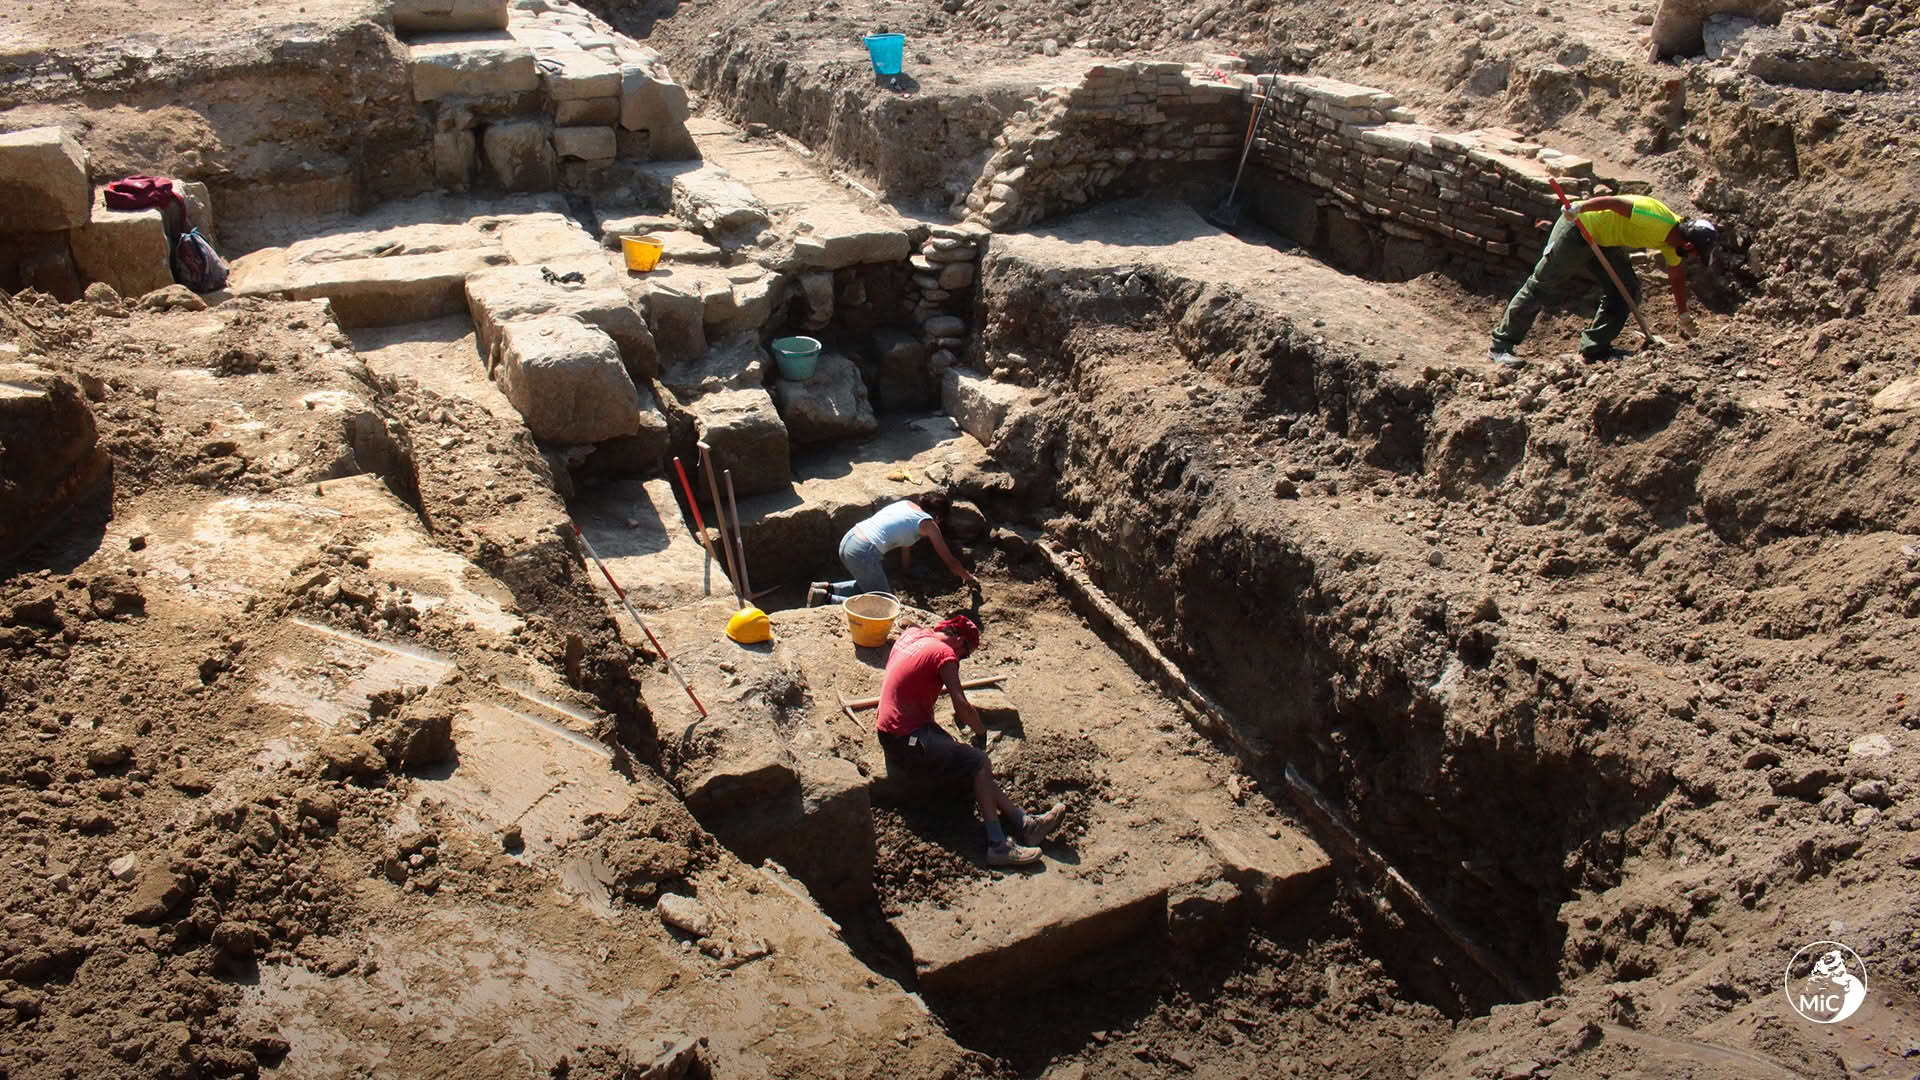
963,628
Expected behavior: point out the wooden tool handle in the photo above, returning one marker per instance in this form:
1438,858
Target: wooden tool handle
969,684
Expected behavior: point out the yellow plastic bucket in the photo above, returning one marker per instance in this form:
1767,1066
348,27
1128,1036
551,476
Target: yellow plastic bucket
870,618
643,252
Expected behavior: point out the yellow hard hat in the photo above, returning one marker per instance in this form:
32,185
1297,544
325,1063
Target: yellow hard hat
749,626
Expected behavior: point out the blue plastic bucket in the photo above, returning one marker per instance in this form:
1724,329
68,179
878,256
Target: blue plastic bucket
888,51
796,357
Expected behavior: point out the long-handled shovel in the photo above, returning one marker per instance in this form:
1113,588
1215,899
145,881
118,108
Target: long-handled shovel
1566,204
1227,214
739,541
720,520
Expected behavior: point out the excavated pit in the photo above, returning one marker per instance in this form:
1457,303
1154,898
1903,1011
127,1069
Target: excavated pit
1383,687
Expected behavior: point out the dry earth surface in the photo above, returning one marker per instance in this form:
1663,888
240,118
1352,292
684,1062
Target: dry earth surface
1616,663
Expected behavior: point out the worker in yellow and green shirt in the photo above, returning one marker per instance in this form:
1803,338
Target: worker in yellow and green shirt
1616,222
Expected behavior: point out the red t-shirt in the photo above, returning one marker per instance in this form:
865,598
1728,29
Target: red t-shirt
913,681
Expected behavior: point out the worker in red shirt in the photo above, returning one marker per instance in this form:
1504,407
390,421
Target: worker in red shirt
923,663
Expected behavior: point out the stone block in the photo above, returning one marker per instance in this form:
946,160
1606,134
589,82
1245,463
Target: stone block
1679,25
655,104
831,405
377,291
832,237
43,181
479,65
429,16
53,457
1274,872
587,112
677,315
978,404
520,155
454,154
502,295
581,75
567,380
901,358
127,249
818,289
584,143
746,435
747,305
199,208
996,709
615,224
1900,395
956,275
681,246
736,363
940,326
711,199
545,236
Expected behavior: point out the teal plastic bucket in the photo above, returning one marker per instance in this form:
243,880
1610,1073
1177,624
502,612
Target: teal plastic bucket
889,52
796,357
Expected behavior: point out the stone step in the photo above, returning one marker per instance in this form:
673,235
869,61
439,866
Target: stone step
649,547
1015,931
796,531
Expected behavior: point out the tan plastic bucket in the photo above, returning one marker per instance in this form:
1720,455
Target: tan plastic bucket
870,618
643,252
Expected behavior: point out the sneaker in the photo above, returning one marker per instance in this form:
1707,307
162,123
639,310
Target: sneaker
1041,826
817,594
1008,853
1505,358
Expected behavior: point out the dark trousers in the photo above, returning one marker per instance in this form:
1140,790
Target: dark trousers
1566,255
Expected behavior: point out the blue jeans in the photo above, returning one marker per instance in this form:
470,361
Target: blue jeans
866,560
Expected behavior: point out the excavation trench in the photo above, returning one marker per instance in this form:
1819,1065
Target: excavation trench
1226,609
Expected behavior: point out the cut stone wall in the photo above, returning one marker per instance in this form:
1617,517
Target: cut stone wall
924,149
539,95
1339,167
1105,136
1362,159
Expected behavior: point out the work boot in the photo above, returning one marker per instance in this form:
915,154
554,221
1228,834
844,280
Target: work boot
1041,826
817,594
1504,358
1008,853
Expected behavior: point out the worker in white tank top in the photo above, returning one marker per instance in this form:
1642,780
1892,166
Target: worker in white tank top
897,526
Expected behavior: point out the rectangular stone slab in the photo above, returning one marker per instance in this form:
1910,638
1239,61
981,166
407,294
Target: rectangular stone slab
443,15
1012,932
380,292
471,65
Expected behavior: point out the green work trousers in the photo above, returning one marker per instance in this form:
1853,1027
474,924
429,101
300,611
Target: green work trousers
1566,254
